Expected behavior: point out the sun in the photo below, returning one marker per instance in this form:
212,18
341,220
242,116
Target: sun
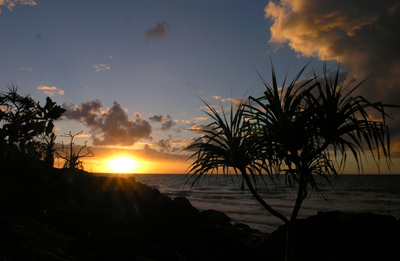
122,165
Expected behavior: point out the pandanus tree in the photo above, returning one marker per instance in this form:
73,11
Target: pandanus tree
231,146
301,131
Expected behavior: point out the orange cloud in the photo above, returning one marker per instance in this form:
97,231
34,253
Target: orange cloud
82,135
197,127
363,35
11,3
312,28
197,119
101,67
50,91
29,69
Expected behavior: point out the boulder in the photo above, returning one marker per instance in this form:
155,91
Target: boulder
214,216
182,205
339,236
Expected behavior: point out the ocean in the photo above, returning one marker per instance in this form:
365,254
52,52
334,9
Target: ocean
379,194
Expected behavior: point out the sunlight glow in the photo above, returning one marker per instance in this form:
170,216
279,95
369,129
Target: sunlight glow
122,165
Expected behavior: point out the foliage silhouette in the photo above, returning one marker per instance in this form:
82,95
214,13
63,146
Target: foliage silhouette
73,155
49,148
229,145
23,122
300,131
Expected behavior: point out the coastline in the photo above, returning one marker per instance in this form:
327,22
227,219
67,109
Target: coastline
351,193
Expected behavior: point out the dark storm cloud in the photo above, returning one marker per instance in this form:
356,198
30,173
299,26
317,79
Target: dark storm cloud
159,32
109,127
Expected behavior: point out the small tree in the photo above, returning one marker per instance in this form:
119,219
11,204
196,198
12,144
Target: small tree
72,156
297,131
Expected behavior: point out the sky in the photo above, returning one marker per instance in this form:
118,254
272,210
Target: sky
133,74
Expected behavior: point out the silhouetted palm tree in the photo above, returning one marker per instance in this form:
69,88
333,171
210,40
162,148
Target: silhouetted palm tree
232,146
301,131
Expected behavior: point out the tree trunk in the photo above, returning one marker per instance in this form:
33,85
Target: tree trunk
301,194
290,233
290,242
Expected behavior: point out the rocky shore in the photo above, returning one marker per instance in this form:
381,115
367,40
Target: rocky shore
76,216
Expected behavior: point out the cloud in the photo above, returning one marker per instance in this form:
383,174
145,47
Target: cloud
154,155
197,119
86,113
101,67
165,144
235,101
11,3
157,118
29,69
363,35
169,145
82,135
191,85
111,126
200,128
168,123
216,97
50,91
159,32
207,109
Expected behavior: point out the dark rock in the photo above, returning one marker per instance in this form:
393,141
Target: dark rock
183,205
340,236
245,228
214,216
83,217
